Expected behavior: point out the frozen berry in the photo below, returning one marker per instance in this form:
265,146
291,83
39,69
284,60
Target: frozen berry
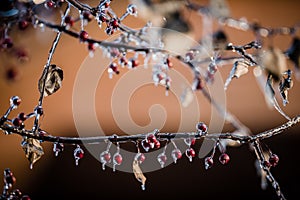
15,101
7,43
87,16
201,127
17,122
208,162
23,24
274,159
22,116
118,159
69,20
83,35
224,158
190,152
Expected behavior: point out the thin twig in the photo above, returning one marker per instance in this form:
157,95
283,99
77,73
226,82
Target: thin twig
270,177
8,129
46,68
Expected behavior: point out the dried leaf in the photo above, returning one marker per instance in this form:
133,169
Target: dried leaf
53,80
285,84
270,96
138,173
274,61
33,150
239,68
269,91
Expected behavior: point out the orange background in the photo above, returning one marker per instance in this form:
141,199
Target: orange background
52,177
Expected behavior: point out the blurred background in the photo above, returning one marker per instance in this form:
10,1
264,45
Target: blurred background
58,177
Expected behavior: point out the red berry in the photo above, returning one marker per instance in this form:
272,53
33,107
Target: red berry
7,43
189,56
12,74
80,154
118,159
102,18
25,197
212,68
17,122
146,145
22,116
201,127
91,46
134,63
224,158
114,67
23,24
107,157
83,35
109,31
163,158
157,144
140,157
267,163
191,152
123,60
115,23
50,4
151,138
22,55
208,162
69,20
274,159
15,101
193,141
176,154
87,16
131,9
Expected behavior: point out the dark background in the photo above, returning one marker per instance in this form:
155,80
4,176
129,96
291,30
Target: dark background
58,177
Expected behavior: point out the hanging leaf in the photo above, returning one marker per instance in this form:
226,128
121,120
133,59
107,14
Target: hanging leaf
270,96
33,150
138,173
53,80
285,85
274,61
239,68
